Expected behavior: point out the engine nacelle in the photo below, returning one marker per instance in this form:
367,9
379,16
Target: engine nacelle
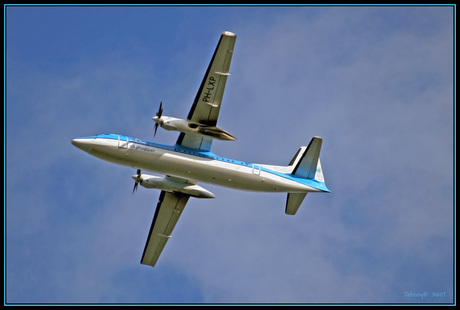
172,185
186,126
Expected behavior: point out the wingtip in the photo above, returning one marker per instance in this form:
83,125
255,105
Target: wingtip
228,34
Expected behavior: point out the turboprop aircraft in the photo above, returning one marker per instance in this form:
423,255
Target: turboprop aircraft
190,160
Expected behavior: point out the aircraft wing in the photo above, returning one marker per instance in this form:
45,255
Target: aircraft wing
206,106
167,213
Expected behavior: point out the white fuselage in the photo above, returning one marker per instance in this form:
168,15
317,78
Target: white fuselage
195,165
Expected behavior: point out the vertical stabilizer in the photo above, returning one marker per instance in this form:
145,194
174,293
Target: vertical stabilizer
307,160
319,172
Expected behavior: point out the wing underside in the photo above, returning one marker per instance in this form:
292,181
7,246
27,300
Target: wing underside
205,111
167,213
207,103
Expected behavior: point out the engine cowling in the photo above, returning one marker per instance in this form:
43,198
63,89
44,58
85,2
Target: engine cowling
212,131
172,185
187,126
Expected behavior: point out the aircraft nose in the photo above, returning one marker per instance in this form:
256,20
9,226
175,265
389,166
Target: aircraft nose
84,144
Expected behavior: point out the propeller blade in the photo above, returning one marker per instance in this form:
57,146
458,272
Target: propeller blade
160,110
158,116
138,180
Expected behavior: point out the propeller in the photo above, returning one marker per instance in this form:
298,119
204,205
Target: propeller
138,180
158,116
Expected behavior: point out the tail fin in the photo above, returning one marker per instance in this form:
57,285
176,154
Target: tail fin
306,162
319,172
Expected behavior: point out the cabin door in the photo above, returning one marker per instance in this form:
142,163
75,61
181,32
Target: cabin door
255,169
122,142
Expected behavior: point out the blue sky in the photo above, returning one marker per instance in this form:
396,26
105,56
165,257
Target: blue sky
375,82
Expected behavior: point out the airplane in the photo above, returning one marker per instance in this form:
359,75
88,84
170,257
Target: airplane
190,160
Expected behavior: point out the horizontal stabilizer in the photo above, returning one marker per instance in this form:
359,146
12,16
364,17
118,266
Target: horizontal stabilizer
293,202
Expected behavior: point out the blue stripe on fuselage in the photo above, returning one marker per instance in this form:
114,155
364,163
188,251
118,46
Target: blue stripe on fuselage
206,154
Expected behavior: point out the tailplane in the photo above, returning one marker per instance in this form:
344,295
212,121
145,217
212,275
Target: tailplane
293,202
